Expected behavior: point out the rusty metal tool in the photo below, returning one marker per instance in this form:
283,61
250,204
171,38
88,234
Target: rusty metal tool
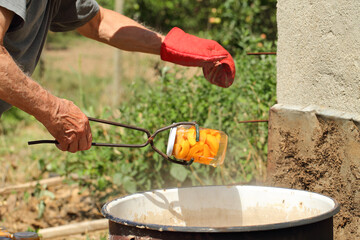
147,132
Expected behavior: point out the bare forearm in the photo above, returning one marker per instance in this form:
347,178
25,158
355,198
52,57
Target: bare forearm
122,32
19,90
62,118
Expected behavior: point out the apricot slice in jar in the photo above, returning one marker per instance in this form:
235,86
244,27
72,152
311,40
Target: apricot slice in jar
185,147
206,151
191,136
213,143
177,149
194,150
202,136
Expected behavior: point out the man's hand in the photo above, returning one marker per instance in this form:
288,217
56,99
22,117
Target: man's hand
69,126
62,118
188,50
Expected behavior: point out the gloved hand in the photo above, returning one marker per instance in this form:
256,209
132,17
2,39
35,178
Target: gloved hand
69,126
188,50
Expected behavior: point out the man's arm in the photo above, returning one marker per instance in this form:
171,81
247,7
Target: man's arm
62,118
121,32
177,46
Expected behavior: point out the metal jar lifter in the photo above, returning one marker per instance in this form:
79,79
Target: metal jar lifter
206,146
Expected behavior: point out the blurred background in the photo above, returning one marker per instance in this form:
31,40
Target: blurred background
139,89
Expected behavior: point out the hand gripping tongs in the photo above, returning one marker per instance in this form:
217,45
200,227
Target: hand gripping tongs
150,139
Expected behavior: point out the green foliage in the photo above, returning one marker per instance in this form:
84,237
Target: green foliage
163,15
198,15
244,25
13,115
109,4
231,22
176,98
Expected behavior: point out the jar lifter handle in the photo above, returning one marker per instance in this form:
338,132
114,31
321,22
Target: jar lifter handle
149,141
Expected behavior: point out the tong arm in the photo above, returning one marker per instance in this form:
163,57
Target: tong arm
149,141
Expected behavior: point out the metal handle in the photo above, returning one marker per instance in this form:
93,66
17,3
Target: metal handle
149,141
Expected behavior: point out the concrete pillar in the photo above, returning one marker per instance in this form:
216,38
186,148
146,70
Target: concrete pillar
318,54
314,130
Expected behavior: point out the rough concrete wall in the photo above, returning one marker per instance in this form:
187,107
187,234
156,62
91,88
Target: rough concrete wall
318,152
318,53
314,131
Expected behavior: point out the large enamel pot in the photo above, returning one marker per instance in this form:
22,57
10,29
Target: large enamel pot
222,212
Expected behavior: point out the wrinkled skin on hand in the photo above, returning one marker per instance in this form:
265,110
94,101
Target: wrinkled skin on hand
65,121
69,126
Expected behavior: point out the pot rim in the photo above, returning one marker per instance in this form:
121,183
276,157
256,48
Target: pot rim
273,226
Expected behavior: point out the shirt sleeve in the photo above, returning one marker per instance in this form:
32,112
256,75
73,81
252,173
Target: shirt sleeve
19,9
71,14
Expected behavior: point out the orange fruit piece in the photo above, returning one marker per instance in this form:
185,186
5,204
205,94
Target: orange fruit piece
218,136
191,136
176,150
213,144
204,160
185,147
194,150
198,156
178,138
180,134
206,151
214,132
202,136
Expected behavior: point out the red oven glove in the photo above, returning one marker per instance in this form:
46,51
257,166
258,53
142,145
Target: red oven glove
188,50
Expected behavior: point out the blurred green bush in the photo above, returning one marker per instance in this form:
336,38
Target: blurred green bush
177,98
230,22
240,26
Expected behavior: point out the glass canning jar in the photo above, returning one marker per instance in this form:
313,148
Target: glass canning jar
209,148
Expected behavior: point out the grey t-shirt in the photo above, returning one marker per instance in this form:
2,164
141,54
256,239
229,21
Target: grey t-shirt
26,35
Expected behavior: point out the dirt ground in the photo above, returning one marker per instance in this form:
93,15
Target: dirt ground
65,205
318,154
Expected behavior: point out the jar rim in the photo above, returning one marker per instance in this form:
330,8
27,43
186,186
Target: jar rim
171,141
